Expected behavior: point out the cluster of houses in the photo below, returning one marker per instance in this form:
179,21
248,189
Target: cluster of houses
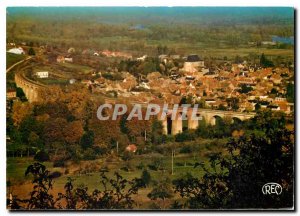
213,86
108,53
63,59
210,85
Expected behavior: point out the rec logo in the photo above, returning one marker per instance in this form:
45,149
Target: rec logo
271,188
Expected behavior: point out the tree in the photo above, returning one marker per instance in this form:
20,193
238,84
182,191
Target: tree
53,130
157,136
186,100
162,49
201,103
20,94
245,89
41,156
222,107
34,141
72,132
156,164
238,59
146,177
54,110
87,140
264,62
117,193
138,128
266,120
187,135
20,112
40,198
233,103
149,65
236,181
257,106
107,133
162,190
31,51
290,92
78,104
274,91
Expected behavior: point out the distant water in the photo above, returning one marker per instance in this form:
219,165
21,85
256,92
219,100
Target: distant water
285,40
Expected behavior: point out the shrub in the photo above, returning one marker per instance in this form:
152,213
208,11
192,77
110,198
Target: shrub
55,174
185,136
67,171
125,168
186,149
58,163
41,156
100,150
190,164
127,156
157,164
146,177
179,164
89,154
140,166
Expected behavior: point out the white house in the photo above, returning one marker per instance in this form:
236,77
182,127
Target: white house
17,51
42,74
72,81
68,59
142,58
209,102
144,85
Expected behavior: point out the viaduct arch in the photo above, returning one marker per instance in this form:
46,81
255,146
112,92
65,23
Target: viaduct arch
31,89
210,117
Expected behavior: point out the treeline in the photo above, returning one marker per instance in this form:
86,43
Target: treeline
228,127
230,181
65,127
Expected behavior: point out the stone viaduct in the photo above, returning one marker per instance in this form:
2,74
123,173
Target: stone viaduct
175,126
30,88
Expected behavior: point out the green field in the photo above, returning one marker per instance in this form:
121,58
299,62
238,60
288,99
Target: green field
183,164
16,168
76,68
51,81
13,58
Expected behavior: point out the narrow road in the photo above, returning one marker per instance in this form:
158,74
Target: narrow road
11,67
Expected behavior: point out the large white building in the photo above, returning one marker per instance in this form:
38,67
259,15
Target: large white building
193,64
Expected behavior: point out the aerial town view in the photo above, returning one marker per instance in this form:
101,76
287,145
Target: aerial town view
150,108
